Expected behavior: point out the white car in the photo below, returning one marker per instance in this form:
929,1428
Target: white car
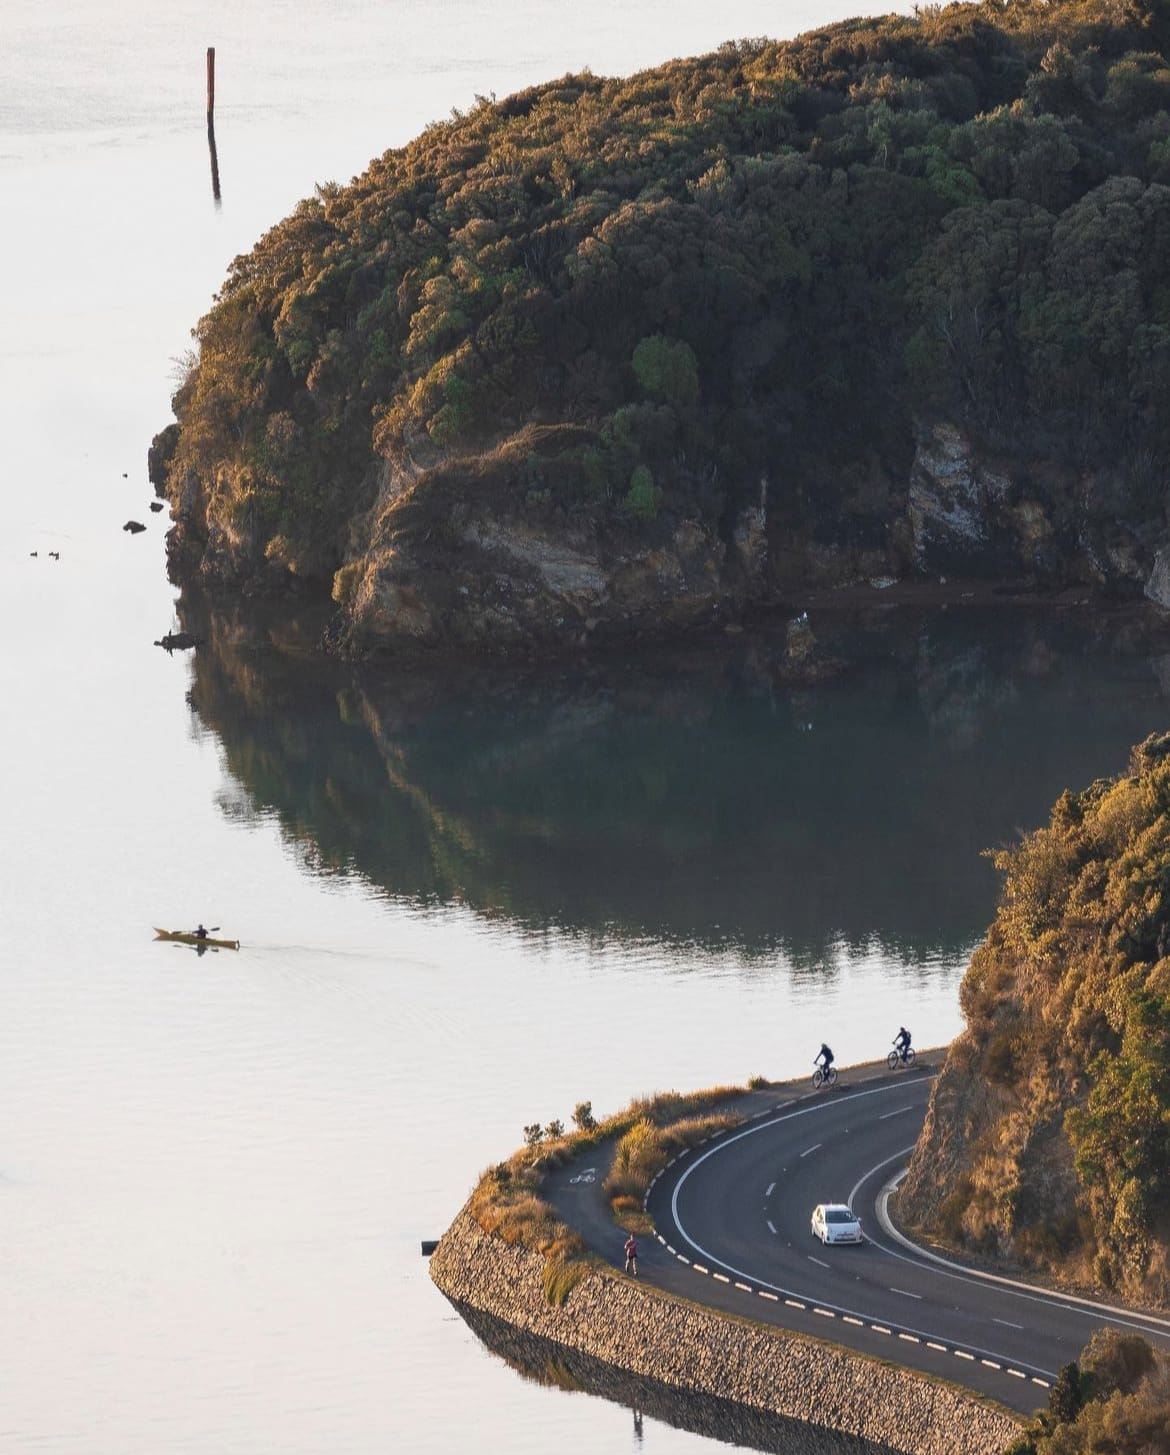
833,1222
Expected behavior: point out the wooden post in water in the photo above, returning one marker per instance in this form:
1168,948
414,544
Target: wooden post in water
211,123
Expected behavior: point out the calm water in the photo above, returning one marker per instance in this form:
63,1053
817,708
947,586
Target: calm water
465,903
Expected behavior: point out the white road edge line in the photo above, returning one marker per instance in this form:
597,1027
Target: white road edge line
886,1115
1071,1302
811,1150
820,1261
906,1294
772,1226
763,1292
1008,1323
790,1115
771,1189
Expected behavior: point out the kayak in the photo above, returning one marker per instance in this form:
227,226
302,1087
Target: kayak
185,937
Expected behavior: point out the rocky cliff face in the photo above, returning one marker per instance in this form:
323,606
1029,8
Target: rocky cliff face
979,514
1048,1137
457,556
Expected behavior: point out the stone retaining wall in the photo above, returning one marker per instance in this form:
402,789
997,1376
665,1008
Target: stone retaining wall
685,1347
554,1365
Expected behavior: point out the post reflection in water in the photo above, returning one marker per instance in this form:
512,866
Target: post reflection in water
215,192
692,799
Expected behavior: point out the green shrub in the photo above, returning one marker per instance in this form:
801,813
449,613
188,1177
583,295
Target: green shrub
667,369
1066,1398
1115,1362
643,497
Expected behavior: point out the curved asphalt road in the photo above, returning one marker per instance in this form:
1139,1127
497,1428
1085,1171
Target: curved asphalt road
733,1231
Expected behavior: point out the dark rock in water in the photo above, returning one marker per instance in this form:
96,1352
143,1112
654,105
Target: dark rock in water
179,641
156,506
134,526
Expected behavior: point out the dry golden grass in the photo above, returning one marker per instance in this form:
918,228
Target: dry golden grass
507,1200
560,1279
646,1148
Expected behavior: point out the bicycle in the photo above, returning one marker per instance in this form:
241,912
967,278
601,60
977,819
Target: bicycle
900,1058
824,1076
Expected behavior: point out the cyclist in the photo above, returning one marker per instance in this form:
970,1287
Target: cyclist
824,1058
902,1043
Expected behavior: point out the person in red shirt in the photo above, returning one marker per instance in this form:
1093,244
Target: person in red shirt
632,1255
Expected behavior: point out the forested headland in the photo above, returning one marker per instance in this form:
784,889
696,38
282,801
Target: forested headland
887,301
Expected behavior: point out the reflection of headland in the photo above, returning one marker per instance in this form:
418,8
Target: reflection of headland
553,1364
697,800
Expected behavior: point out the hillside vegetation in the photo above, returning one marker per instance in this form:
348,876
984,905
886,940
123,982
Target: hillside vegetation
1048,1136
1115,1400
678,335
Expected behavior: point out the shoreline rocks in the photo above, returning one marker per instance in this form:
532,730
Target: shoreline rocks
483,573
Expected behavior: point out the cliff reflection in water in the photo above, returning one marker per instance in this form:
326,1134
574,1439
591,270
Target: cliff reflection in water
695,799
718,1419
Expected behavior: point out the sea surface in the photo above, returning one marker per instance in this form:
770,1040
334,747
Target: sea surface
465,902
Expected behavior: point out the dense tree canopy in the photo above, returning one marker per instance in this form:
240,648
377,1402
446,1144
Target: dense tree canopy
764,261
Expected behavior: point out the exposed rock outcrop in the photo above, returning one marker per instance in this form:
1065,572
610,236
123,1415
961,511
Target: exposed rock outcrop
505,580
1157,587
973,513
951,498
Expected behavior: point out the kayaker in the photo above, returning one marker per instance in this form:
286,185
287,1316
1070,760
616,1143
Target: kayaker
200,932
